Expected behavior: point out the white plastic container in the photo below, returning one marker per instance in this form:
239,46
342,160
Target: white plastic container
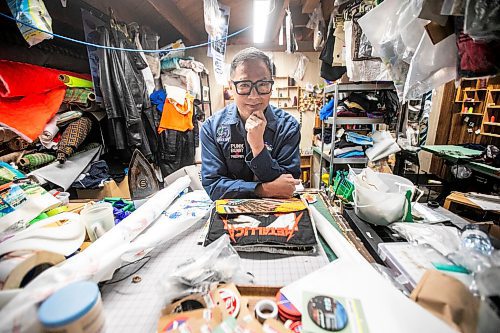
98,218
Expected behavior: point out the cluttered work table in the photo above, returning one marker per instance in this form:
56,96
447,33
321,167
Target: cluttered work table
461,155
141,262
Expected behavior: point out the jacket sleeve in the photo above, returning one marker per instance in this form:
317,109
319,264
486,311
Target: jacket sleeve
287,160
214,173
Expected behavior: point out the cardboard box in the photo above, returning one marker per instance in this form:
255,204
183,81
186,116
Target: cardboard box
110,189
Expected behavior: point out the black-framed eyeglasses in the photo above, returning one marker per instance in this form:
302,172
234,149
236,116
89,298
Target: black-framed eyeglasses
244,87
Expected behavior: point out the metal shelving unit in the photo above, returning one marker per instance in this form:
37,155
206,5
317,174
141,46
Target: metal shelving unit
334,121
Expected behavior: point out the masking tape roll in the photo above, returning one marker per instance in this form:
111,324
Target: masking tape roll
15,266
266,309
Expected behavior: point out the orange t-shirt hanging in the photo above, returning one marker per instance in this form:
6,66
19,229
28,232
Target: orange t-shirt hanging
177,116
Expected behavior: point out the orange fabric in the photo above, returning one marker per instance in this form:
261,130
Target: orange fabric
28,115
19,79
176,116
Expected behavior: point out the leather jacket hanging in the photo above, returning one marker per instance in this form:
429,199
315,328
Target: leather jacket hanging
124,91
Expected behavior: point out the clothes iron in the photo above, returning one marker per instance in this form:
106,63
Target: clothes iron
141,177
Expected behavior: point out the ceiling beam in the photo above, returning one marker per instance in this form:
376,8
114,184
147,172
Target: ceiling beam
168,10
279,20
309,6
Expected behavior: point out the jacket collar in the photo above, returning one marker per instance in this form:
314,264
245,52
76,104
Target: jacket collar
232,117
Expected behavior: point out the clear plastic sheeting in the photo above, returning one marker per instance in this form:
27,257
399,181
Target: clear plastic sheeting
219,263
482,20
431,66
394,30
300,68
443,239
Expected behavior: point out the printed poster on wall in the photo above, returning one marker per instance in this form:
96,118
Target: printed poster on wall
217,49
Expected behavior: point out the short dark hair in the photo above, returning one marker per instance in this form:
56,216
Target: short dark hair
250,53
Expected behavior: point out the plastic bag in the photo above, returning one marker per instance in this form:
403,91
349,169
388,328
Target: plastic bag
445,240
219,263
431,66
482,20
317,23
300,68
380,198
212,17
35,14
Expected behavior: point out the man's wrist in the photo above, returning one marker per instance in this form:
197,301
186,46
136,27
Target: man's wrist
260,190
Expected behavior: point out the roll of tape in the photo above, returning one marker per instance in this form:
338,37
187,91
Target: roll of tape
17,268
266,309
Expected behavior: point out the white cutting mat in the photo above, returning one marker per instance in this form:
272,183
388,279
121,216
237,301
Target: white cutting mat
136,307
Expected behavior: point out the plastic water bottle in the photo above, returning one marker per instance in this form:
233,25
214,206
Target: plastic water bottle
474,239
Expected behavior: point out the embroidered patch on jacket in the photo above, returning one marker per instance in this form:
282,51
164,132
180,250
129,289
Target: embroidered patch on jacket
237,150
223,134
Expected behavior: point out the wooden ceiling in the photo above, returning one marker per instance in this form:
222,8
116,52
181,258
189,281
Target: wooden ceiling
174,19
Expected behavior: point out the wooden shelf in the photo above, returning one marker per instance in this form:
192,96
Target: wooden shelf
289,107
288,87
493,106
305,166
354,120
491,124
491,134
470,114
280,97
468,102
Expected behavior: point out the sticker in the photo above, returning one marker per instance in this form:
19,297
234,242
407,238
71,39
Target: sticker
175,323
223,134
231,300
237,150
327,313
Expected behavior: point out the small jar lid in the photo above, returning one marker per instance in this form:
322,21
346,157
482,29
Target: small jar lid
68,304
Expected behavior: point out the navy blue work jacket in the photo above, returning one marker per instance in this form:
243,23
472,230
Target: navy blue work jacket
229,169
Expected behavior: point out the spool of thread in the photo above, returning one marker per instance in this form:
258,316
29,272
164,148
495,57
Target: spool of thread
266,309
76,308
17,268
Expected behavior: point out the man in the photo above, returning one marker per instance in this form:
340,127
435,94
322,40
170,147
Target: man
250,149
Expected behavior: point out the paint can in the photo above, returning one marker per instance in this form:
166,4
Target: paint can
76,308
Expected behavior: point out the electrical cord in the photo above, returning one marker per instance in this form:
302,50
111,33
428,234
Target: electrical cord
146,260
119,48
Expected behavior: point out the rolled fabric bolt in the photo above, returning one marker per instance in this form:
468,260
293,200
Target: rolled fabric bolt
266,309
6,134
17,144
12,157
72,138
35,160
68,116
75,82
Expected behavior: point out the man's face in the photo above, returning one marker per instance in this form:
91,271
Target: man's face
253,70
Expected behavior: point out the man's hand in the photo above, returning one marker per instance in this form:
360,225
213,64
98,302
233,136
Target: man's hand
255,127
281,187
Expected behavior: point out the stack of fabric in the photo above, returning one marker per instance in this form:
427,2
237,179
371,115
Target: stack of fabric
352,145
264,225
